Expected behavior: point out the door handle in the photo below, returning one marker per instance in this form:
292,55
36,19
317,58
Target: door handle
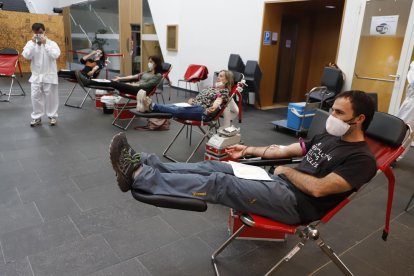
397,77
374,79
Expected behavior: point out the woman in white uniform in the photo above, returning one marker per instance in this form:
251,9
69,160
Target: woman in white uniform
43,53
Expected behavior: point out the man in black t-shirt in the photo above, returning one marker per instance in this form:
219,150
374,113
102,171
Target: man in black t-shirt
335,164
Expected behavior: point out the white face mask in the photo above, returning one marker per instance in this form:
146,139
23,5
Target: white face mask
219,84
150,66
336,127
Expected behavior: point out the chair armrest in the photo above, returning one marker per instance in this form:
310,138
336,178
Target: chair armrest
173,202
94,86
270,162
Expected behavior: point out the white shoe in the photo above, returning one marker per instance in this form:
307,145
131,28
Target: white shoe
52,121
143,102
35,122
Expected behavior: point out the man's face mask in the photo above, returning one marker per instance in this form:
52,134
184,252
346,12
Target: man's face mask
150,66
337,127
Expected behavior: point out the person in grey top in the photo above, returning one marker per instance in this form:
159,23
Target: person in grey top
145,81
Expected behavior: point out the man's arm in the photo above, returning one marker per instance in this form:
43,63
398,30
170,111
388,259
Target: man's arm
311,185
52,49
269,152
28,50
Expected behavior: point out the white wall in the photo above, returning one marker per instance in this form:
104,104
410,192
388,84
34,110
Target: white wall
208,32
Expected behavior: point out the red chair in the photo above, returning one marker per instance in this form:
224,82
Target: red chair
212,125
194,74
9,59
387,137
130,97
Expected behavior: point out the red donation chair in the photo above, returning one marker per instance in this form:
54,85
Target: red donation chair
9,59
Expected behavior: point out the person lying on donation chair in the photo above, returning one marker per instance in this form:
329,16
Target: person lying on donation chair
202,108
94,62
335,164
145,81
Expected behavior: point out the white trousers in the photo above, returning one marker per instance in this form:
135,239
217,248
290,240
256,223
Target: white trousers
45,100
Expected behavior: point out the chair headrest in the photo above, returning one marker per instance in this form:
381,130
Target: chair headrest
333,79
237,76
8,51
235,64
387,128
165,67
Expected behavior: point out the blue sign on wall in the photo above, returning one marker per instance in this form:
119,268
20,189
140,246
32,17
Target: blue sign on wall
266,38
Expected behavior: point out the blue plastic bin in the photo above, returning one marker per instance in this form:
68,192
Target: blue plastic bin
295,116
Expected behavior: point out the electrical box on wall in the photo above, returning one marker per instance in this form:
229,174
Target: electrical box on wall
274,37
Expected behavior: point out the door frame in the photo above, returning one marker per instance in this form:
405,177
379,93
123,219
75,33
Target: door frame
349,43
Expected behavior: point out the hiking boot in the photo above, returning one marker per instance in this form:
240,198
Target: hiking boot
52,121
125,161
143,102
35,122
82,80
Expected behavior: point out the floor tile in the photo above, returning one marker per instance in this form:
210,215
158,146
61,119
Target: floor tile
18,217
128,268
108,218
189,256
23,242
141,237
76,258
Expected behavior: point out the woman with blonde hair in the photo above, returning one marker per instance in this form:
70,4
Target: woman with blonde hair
203,107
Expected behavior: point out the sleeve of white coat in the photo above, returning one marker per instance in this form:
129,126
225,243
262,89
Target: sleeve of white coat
52,49
410,74
28,50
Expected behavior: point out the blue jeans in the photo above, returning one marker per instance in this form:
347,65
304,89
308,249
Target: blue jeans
194,112
215,182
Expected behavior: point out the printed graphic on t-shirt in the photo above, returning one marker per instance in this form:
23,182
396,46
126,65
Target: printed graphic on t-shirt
315,155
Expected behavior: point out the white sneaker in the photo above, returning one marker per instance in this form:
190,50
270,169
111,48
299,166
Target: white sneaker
35,122
52,121
143,102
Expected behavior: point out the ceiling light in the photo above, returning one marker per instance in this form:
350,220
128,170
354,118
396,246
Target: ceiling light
330,7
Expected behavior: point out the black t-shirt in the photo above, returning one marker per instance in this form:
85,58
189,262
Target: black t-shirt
90,63
353,161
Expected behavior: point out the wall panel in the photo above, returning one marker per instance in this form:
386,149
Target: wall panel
16,30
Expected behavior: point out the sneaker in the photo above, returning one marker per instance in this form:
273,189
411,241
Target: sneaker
143,101
35,122
125,161
82,80
52,121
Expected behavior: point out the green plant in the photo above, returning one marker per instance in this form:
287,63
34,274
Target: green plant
98,43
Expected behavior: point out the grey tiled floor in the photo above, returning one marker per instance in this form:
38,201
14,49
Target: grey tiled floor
61,212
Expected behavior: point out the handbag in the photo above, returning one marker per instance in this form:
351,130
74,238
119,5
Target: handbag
156,124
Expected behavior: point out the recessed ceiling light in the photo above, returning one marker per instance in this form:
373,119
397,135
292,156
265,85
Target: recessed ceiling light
330,7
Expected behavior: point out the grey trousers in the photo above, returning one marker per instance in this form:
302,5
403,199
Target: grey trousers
215,182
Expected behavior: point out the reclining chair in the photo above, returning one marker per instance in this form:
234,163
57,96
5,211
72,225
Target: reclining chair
333,80
9,59
386,147
194,74
131,97
211,125
166,69
86,90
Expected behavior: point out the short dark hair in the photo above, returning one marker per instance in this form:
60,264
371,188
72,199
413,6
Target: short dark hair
38,26
362,103
158,64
